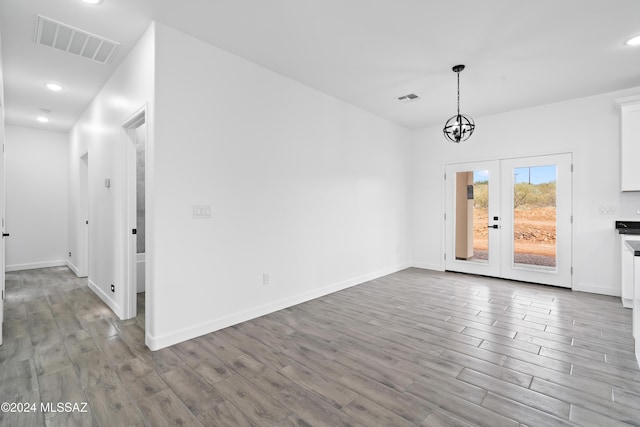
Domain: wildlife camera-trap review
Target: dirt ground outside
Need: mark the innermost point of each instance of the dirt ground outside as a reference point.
(534, 235)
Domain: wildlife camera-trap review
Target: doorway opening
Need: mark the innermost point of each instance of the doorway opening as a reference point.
(511, 218)
(83, 217)
(135, 260)
(140, 134)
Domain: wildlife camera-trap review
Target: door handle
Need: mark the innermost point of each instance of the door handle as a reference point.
(5, 234)
(495, 226)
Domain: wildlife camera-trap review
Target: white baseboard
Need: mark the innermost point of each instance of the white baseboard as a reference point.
(594, 289)
(73, 268)
(105, 298)
(428, 266)
(166, 340)
(34, 265)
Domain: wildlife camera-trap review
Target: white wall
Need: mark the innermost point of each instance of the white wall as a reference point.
(586, 127)
(306, 189)
(303, 187)
(99, 133)
(36, 196)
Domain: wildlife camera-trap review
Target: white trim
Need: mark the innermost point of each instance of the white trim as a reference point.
(137, 119)
(443, 223)
(158, 342)
(71, 266)
(129, 249)
(82, 227)
(629, 100)
(595, 289)
(105, 298)
(428, 266)
(34, 265)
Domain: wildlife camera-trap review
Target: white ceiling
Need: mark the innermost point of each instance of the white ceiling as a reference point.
(366, 52)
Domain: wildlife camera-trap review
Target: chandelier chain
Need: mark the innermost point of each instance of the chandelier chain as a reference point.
(458, 73)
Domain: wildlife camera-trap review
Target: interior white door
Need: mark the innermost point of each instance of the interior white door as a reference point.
(511, 218)
(2, 212)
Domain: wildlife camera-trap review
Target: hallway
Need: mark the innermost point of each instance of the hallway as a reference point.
(61, 341)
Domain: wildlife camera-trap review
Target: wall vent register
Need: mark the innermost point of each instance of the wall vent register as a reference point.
(73, 40)
(408, 98)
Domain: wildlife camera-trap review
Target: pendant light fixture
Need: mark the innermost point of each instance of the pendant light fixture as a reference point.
(459, 127)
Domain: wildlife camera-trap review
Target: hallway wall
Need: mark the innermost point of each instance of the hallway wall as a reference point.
(303, 188)
(36, 196)
(99, 132)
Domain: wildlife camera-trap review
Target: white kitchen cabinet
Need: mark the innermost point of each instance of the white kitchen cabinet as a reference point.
(627, 291)
(636, 306)
(629, 143)
(632, 252)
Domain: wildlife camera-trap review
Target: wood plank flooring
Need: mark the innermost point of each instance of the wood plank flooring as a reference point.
(415, 348)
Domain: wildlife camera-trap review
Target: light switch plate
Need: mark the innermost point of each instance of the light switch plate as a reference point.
(202, 211)
(607, 209)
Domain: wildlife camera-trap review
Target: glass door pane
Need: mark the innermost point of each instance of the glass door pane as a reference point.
(536, 234)
(534, 216)
(472, 215)
(472, 210)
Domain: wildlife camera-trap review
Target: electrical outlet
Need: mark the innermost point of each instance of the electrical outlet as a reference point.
(69, 254)
(113, 288)
(266, 279)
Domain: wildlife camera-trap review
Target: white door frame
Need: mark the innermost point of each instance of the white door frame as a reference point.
(2, 215)
(561, 275)
(129, 260)
(505, 268)
(83, 216)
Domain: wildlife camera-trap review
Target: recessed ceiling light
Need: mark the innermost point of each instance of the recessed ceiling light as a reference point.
(92, 1)
(55, 87)
(42, 119)
(634, 41)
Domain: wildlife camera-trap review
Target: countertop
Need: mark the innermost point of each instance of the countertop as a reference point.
(628, 231)
(635, 246)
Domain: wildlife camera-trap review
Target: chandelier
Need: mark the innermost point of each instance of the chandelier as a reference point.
(459, 127)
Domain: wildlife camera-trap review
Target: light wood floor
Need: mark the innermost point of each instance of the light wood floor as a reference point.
(413, 348)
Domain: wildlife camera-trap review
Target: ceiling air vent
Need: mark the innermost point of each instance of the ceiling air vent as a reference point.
(409, 98)
(73, 40)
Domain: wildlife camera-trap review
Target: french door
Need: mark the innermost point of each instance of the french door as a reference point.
(511, 218)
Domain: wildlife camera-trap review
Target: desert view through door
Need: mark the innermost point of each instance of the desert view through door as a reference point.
(511, 218)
